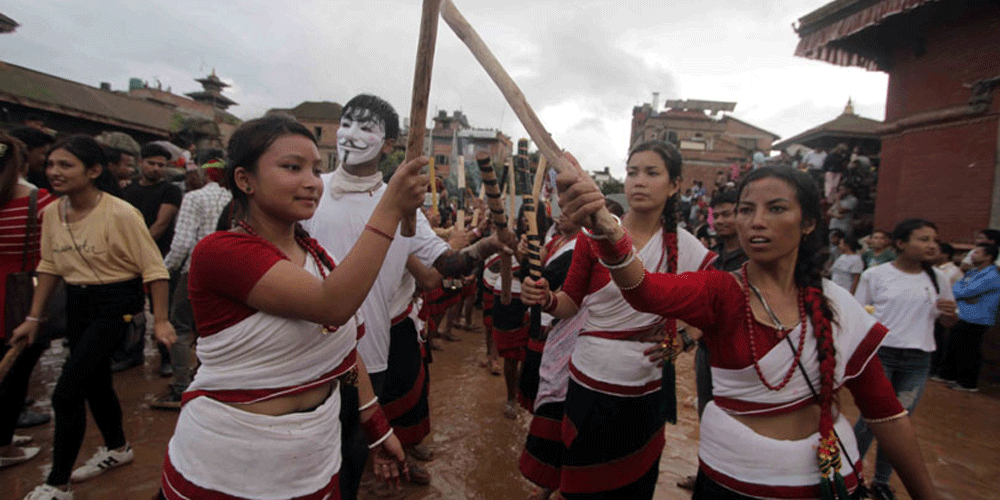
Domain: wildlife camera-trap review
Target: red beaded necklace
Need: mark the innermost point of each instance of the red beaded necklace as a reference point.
(781, 333)
(304, 244)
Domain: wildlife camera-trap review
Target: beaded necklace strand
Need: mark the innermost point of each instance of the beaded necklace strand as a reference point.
(304, 244)
(782, 332)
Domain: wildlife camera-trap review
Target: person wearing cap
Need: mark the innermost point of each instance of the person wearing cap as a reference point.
(196, 219)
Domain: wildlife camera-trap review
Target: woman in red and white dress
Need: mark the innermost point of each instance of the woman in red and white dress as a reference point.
(782, 342)
(278, 331)
(614, 420)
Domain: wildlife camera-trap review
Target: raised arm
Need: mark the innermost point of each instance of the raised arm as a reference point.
(288, 290)
(687, 297)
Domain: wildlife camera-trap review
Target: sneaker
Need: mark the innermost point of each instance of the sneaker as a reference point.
(30, 418)
(169, 401)
(166, 370)
(17, 440)
(47, 492)
(938, 378)
(27, 453)
(103, 460)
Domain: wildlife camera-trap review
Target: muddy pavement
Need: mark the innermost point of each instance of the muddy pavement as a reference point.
(477, 449)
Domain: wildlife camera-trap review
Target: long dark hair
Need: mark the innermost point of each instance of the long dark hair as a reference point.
(901, 234)
(809, 279)
(248, 143)
(672, 159)
(91, 154)
(11, 163)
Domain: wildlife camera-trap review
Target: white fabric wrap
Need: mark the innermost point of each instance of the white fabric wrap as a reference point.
(219, 447)
(728, 446)
(267, 352)
(851, 328)
(622, 363)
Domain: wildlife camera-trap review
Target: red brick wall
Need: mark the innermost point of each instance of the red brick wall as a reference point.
(943, 172)
(962, 48)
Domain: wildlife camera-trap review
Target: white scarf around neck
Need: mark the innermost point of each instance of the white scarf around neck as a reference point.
(343, 182)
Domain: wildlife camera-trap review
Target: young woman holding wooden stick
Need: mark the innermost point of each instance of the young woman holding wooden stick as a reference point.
(614, 409)
(782, 342)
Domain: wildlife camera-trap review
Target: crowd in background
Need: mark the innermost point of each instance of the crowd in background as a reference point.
(181, 194)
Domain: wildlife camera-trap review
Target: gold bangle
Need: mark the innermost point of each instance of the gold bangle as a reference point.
(886, 419)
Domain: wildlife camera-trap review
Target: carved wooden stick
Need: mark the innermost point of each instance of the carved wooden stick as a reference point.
(512, 93)
(421, 92)
(533, 204)
(492, 190)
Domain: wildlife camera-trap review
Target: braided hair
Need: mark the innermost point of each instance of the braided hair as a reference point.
(809, 280)
(668, 219)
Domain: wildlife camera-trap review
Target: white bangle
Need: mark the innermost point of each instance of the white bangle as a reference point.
(381, 439)
(368, 404)
(621, 265)
(33, 319)
(599, 236)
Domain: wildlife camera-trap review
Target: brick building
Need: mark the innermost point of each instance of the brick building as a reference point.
(323, 119)
(709, 141)
(940, 142)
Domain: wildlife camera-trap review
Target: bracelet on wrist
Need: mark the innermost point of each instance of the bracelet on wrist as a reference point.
(636, 285)
(552, 304)
(608, 251)
(369, 227)
(33, 319)
(621, 264)
(368, 404)
(377, 428)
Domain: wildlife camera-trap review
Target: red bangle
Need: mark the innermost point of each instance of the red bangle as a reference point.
(369, 227)
(553, 302)
(376, 428)
(612, 253)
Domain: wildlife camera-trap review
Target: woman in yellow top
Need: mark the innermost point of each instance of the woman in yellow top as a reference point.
(100, 245)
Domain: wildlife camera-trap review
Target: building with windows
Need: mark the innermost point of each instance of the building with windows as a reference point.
(940, 141)
(323, 119)
(709, 139)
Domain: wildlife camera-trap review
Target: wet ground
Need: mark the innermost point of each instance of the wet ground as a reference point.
(477, 449)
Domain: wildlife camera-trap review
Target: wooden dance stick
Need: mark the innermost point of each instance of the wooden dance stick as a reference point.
(10, 358)
(512, 93)
(492, 190)
(534, 239)
(460, 213)
(421, 92)
(434, 186)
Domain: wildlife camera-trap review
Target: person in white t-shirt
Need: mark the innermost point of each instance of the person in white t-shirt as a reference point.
(846, 270)
(369, 127)
(909, 294)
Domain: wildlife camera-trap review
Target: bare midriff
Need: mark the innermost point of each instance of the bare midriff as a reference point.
(283, 405)
(792, 426)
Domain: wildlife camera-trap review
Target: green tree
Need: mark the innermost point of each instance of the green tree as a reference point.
(613, 186)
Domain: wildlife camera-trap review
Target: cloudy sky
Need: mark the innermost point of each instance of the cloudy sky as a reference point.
(583, 65)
